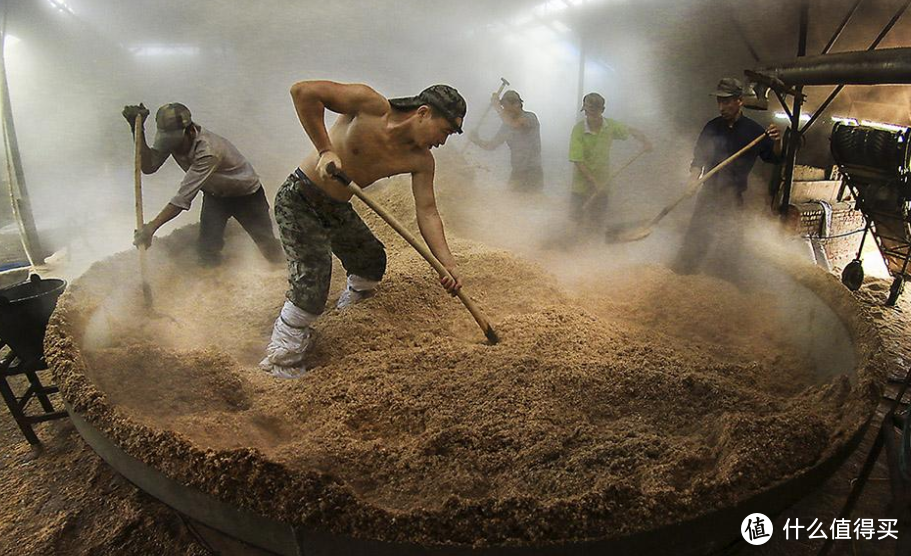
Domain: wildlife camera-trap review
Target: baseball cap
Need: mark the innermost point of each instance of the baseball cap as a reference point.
(592, 99)
(445, 99)
(172, 120)
(729, 87)
(511, 96)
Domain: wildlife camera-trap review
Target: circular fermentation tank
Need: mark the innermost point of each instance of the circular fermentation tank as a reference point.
(242, 501)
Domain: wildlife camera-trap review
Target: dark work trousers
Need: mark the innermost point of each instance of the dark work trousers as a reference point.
(526, 179)
(251, 211)
(717, 224)
(592, 217)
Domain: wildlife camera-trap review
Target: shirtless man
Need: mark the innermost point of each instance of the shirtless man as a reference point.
(373, 138)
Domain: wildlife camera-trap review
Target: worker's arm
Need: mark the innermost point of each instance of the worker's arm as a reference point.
(577, 154)
(201, 169)
(643, 140)
(520, 122)
(621, 132)
(431, 225)
(587, 173)
(312, 99)
(151, 159)
(775, 136)
(143, 237)
(496, 104)
(702, 150)
(700, 158)
(494, 142)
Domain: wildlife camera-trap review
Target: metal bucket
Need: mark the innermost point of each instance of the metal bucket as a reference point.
(24, 311)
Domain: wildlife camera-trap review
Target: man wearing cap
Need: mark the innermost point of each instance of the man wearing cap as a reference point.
(521, 132)
(717, 216)
(589, 150)
(214, 166)
(373, 138)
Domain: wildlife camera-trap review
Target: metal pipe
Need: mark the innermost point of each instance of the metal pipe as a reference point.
(869, 67)
(822, 108)
(838, 31)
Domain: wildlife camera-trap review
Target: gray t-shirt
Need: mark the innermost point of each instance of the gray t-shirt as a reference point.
(216, 167)
(524, 142)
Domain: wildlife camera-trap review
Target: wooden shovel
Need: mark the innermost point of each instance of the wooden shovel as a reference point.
(637, 231)
(137, 190)
(564, 239)
(472, 307)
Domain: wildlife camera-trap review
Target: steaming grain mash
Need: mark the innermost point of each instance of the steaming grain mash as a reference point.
(640, 402)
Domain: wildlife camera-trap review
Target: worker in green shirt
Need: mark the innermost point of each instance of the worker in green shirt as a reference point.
(589, 151)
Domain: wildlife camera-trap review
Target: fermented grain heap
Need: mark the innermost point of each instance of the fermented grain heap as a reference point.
(643, 402)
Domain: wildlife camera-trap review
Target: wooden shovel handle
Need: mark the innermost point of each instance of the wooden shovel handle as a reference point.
(137, 191)
(469, 303)
(616, 173)
(691, 190)
(137, 170)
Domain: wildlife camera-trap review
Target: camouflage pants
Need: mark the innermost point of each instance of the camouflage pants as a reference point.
(313, 227)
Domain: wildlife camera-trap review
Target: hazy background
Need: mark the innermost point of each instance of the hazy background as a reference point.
(71, 69)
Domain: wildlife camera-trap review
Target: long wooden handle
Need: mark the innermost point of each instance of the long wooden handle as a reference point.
(137, 171)
(472, 307)
(137, 192)
(486, 112)
(594, 195)
(691, 190)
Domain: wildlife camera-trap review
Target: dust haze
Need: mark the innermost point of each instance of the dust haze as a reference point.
(73, 65)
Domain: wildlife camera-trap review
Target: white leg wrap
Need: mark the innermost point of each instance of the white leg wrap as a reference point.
(295, 316)
(290, 340)
(358, 289)
(360, 284)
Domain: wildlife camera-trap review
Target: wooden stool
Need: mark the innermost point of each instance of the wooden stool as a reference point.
(11, 365)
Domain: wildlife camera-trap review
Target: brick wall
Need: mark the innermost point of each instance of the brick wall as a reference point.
(806, 219)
